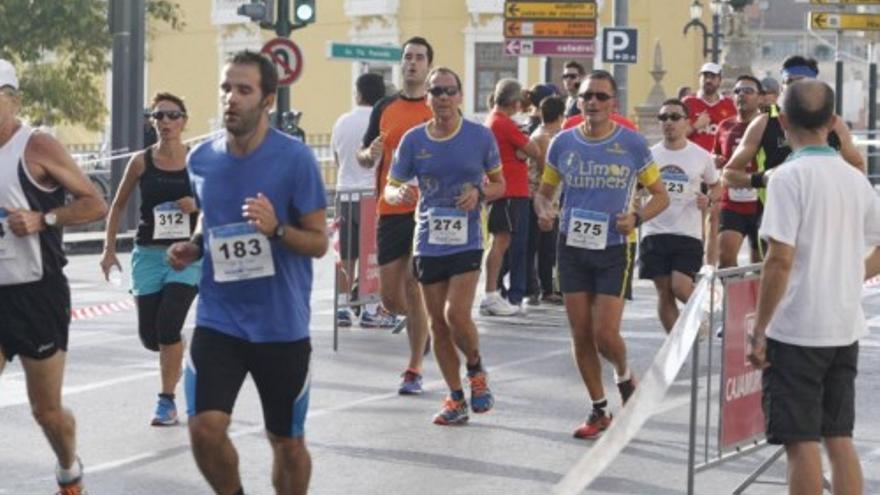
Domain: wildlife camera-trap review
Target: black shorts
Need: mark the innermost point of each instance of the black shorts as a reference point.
(809, 392)
(349, 213)
(394, 237)
(503, 214)
(35, 318)
(747, 225)
(661, 254)
(219, 363)
(608, 271)
(433, 269)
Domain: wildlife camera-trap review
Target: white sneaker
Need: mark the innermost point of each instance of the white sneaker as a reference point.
(494, 305)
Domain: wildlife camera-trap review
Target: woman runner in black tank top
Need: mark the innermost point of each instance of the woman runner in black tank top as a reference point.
(168, 213)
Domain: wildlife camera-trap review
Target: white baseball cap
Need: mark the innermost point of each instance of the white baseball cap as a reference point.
(7, 75)
(711, 68)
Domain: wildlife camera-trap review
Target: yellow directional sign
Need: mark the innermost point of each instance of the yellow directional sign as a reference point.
(550, 29)
(579, 10)
(850, 22)
(845, 2)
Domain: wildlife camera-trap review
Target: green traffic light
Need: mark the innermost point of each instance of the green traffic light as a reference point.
(304, 13)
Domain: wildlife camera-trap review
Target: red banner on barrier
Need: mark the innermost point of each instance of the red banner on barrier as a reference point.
(742, 419)
(368, 265)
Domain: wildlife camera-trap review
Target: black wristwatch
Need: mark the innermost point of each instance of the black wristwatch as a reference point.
(481, 194)
(278, 233)
(638, 218)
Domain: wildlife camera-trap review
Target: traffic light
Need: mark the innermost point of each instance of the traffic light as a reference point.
(262, 11)
(303, 12)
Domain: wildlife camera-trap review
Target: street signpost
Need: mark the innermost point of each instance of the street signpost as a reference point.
(620, 45)
(550, 28)
(550, 10)
(373, 53)
(846, 22)
(550, 48)
(287, 58)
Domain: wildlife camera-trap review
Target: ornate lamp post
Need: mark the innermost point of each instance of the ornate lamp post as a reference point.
(696, 11)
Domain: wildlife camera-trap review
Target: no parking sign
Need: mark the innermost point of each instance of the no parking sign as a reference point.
(287, 59)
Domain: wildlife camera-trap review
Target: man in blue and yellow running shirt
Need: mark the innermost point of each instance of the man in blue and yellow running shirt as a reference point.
(263, 217)
(450, 157)
(598, 164)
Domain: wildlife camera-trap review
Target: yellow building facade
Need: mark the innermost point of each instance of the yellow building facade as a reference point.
(467, 36)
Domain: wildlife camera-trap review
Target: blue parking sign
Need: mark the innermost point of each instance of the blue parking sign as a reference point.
(620, 45)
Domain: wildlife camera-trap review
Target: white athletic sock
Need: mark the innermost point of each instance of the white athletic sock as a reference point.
(68, 475)
(624, 377)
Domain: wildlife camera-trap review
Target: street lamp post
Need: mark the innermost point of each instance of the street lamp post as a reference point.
(696, 11)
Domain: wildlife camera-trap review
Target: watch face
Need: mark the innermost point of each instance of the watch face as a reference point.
(279, 231)
(51, 219)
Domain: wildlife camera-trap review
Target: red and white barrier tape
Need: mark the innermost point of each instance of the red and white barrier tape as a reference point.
(89, 312)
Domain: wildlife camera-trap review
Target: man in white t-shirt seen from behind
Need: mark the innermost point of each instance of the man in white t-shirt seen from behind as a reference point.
(820, 216)
(671, 251)
(351, 176)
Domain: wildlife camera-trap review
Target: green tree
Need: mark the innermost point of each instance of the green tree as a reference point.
(62, 51)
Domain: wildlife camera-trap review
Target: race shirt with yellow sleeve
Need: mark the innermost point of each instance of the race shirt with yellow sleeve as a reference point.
(598, 178)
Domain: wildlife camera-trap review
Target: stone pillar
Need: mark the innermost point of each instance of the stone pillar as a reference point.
(739, 50)
(646, 114)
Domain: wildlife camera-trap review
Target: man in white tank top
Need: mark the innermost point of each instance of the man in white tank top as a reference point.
(35, 172)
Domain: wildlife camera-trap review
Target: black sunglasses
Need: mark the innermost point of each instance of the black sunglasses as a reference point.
(441, 90)
(675, 117)
(745, 90)
(570, 76)
(171, 114)
(588, 95)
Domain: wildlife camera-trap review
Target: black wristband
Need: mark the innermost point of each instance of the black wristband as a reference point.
(757, 179)
(199, 240)
(481, 194)
(638, 218)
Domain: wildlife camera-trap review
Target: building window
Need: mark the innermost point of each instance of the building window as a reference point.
(490, 66)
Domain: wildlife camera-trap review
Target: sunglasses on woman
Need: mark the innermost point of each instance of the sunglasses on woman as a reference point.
(171, 114)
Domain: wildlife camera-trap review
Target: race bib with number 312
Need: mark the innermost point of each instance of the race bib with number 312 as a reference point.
(170, 222)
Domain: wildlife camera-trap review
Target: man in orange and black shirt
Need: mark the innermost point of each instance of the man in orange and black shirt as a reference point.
(392, 117)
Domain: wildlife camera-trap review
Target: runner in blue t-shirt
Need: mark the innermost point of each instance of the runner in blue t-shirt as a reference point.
(263, 218)
(599, 164)
(450, 157)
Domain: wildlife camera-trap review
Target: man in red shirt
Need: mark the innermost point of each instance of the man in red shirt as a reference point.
(708, 108)
(740, 209)
(508, 216)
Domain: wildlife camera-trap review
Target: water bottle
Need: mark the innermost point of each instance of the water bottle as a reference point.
(115, 276)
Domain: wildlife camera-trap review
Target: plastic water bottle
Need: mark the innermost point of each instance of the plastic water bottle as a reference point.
(115, 276)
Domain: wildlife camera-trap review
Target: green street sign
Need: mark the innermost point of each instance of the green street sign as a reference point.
(350, 51)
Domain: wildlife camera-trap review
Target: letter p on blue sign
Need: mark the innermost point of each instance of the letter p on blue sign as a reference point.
(620, 45)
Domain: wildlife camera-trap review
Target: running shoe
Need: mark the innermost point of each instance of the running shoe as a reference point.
(166, 413)
(454, 412)
(343, 318)
(627, 388)
(411, 383)
(552, 298)
(379, 319)
(534, 300)
(495, 305)
(481, 397)
(594, 425)
(74, 488)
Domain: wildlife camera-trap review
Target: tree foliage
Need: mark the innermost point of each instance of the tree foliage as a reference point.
(62, 51)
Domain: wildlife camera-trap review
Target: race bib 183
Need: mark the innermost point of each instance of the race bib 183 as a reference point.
(240, 252)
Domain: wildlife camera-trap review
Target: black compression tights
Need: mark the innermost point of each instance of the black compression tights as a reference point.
(161, 314)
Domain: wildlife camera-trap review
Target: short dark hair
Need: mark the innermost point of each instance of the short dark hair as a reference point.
(418, 40)
(603, 75)
(371, 87)
(571, 64)
(746, 77)
(798, 60)
(268, 74)
(683, 91)
(165, 96)
(676, 101)
(552, 107)
(808, 104)
(444, 70)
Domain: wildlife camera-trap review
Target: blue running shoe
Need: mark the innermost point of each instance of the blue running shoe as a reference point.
(166, 413)
(343, 318)
(379, 319)
(454, 412)
(481, 397)
(411, 383)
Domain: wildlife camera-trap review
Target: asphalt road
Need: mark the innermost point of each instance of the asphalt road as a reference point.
(364, 438)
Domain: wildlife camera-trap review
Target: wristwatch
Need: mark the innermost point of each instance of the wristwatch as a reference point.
(50, 219)
(278, 233)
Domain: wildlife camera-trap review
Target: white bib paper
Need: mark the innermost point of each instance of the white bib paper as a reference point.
(7, 250)
(240, 252)
(742, 194)
(447, 226)
(587, 229)
(678, 185)
(169, 222)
